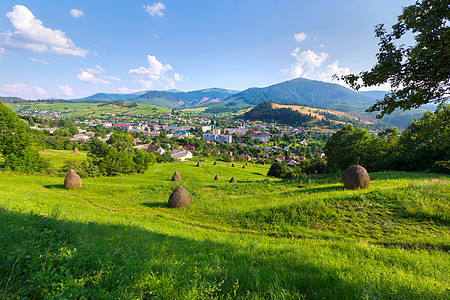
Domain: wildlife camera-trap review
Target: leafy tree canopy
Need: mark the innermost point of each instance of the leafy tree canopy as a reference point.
(418, 74)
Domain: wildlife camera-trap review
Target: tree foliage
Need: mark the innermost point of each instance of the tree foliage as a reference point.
(418, 74)
(18, 147)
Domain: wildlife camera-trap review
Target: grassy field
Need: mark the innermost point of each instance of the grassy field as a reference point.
(260, 238)
(88, 110)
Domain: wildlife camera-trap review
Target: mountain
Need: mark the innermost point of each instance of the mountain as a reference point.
(173, 99)
(168, 99)
(307, 92)
(108, 97)
(373, 94)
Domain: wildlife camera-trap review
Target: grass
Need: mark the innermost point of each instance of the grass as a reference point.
(58, 158)
(88, 110)
(257, 239)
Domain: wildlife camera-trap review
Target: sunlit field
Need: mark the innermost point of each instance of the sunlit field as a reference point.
(259, 238)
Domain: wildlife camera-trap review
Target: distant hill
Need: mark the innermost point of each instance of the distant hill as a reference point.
(167, 99)
(184, 99)
(307, 92)
(373, 94)
(12, 100)
(108, 97)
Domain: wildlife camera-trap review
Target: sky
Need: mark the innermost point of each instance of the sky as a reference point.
(73, 49)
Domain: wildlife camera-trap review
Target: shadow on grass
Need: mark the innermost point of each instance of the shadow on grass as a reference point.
(316, 190)
(95, 261)
(155, 204)
(54, 186)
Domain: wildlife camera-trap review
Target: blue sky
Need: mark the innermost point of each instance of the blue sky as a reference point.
(70, 49)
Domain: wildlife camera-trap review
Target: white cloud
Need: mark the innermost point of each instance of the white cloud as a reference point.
(322, 45)
(125, 90)
(76, 13)
(15, 89)
(23, 90)
(300, 37)
(93, 75)
(31, 35)
(88, 77)
(40, 91)
(67, 90)
(155, 9)
(155, 74)
(310, 64)
(35, 60)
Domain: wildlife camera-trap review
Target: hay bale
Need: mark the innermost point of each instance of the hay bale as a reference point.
(72, 180)
(233, 180)
(215, 163)
(76, 150)
(246, 164)
(232, 165)
(179, 198)
(355, 177)
(216, 178)
(199, 164)
(243, 167)
(176, 176)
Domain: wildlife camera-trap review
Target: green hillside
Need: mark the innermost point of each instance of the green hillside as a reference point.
(307, 92)
(259, 238)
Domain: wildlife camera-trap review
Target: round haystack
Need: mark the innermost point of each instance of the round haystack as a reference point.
(176, 176)
(233, 180)
(179, 198)
(216, 178)
(215, 163)
(199, 164)
(76, 150)
(72, 180)
(243, 167)
(246, 164)
(232, 165)
(355, 177)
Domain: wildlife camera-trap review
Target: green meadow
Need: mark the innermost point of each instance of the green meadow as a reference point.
(259, 238)
(87, 110)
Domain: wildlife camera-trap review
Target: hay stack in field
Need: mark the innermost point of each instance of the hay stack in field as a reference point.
(243, 167)
(355, 177)
(233, 180)
(179, 198)
(72, 180)
(215, 163)
(232, 165)
(199, 164)
(246, 164)
(216, 178)
(176, 176)
(76, 150)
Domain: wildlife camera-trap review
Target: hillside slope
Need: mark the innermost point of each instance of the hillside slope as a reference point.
(306, 92)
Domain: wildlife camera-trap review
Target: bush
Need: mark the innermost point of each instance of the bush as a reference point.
(282, 170)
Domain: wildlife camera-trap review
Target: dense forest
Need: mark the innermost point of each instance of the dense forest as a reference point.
(266, 113)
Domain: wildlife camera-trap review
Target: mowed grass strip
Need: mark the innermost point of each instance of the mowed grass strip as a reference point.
(258, 238)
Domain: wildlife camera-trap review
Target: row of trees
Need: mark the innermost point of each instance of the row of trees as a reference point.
(423, 145)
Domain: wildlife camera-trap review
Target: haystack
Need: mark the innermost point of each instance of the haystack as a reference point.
(232, 165)
(246, 164)
(179, 198)
(76, 150)
(199, 164)
(215, 163)
(233, 180)
(216, 178)
(355, 177)
(72, 180)
(243, 167)
(176, 176)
